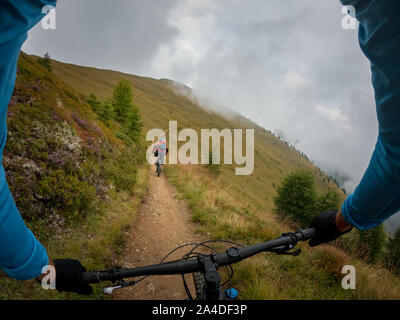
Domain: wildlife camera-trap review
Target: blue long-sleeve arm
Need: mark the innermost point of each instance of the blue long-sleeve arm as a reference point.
(21, 254)
(377, 197)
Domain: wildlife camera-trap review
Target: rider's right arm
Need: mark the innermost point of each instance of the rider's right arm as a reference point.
(378, 195)
(21, 254)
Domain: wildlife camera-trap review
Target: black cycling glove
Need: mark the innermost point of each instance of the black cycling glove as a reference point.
(325, 224)
(69, 277)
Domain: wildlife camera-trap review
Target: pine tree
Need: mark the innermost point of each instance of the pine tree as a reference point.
(106, 111)
(122, 101)
(46, 62)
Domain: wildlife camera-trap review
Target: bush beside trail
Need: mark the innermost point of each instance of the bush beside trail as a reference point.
(298, 200)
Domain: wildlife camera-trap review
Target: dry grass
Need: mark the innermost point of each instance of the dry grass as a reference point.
(374, 282)
(316, 274)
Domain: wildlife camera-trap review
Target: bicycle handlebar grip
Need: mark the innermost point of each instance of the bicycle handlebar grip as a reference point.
(308, 233)
(90, 277)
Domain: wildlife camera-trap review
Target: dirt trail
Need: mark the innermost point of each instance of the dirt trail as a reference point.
(163, 223)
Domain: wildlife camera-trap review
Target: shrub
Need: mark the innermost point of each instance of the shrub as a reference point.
(94, 103)
(121, 172)
(371, 244)
(328, 201)
(297, 197)
(67, 193)
(298, 200)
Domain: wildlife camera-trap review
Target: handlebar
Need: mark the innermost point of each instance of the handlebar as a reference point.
(233, 255)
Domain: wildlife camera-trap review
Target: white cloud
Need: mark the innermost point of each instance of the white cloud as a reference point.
(338, 117)
(294, 80)
(288, 65)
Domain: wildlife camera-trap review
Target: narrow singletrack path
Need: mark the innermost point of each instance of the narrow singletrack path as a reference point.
(163, 223)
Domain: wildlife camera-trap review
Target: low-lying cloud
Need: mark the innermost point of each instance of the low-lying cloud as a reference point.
(287, 65)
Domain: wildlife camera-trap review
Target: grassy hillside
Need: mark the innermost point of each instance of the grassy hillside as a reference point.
(75, 183)
(159, 101)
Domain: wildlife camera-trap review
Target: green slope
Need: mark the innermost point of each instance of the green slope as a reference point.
(160, 102)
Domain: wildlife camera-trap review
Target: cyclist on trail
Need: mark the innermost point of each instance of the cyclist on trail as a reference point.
(377, 197)
(21, 255)
(160, 150)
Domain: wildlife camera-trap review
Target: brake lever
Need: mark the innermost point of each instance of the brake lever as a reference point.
(109, 290)
(290, 253)
(284, 250)
(120, 284)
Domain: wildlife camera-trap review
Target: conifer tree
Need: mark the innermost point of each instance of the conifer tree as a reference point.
(122, 101)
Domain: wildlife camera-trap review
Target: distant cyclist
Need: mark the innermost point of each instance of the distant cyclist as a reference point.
(160, 150)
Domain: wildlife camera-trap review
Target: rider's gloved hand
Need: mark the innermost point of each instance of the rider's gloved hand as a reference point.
(326, 227)
(69, 276)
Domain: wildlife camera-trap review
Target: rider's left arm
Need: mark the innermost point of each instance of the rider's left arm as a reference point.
(377, 197)
(21, 255)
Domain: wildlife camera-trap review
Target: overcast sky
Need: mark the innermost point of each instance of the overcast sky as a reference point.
(287, 65)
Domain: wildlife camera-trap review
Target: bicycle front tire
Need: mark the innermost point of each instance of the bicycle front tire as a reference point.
(199, 284)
